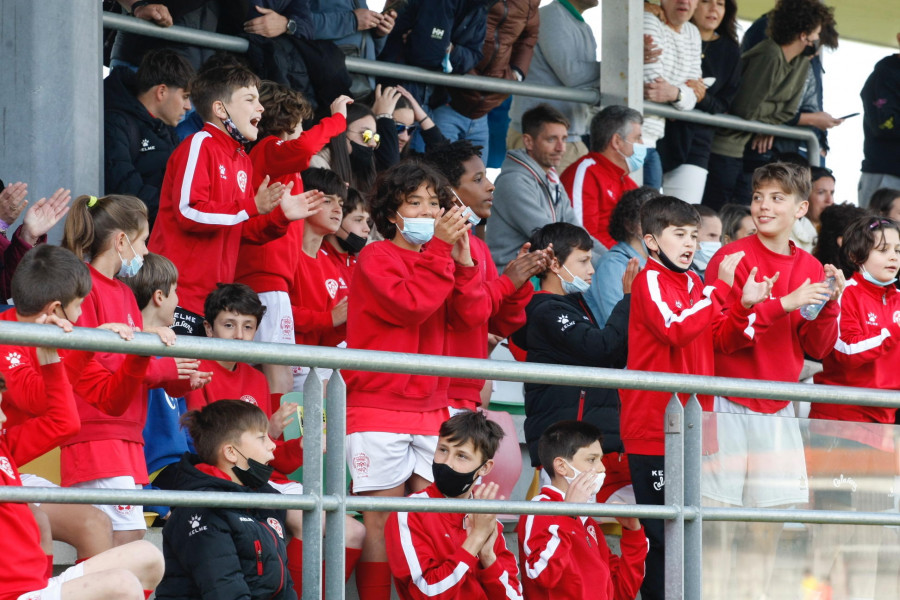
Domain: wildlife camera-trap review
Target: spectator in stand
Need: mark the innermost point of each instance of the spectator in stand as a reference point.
(737, 222)
(886, 202)
(571, 64)
(811, 113)
(318, 292)
(454, 556)
(561, 330)
(207, 194)
(806, 229)
(558, 557)
(831, 235)
(444, 35)
(709, 239)
(684, 151)
(405, 291)
(596, 181)
(666, 80)
(140, 114)
(505, 296)
(512, 32)
(881, 127)
(625, 228)
(767, 341)
(283, 151)
(357, 31)
(773, 74)
(409, 118)
(344, 245)
(39, 219)
(529, 193)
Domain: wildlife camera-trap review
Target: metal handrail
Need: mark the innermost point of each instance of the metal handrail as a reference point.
(474, 82)
(145, 344)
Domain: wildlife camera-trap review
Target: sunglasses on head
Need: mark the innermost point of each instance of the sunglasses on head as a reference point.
(410, 129)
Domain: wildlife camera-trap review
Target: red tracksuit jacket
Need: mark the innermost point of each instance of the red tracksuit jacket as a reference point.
(206, 207)
(567, 557)
(669, 331)
(765, 342)
(866, 353)
(428, 561)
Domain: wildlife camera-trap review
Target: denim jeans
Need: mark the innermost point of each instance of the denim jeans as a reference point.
(653, 173)
(455, 126)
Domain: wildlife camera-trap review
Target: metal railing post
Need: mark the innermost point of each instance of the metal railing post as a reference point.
(674, 496)
(693, 529)
(312, 486)
(335, 461)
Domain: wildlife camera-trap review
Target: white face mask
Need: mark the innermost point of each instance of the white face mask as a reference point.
(598, 483)
(705, 253)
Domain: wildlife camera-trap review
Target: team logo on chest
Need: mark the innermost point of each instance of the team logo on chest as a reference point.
(15, 359)
(332, 286)
(222, 173)
(242, 180)
(274, 524)
(6, 467)
(873, 319)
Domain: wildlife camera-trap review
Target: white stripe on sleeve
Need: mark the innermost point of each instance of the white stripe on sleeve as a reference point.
(578, 187)
(415, 569)
(668, 316)
(184, 202)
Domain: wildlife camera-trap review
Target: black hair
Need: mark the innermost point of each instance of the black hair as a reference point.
(222, 422)
(353, 201)
(565, 238)
(163, 66)
(564, 439)
(625, 222)
(471, 426)
(361, 178)
(218, 83)
(791, 18)
(882, 201)
(46, 274)
(832, 223)
(665, 211)
(326, 181)
(449, 158)
(861, 236)
(533, 120)
(234, 297)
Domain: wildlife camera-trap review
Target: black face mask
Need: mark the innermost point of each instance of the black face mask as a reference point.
(353, 244)
(255, 475)
(667, 262)
(361, 156)
(452, 483)
(811, 50)
(233, 131)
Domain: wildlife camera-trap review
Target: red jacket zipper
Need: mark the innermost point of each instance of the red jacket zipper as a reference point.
(259, 564)
(280, 563)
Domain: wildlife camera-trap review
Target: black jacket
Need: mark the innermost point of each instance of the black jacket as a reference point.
(137, 145)
(881, 119)
(230, 553)
(561, 330)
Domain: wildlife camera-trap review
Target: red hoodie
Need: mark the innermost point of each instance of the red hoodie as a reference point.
(317, 287)
(502, 312)
(206, 207)
(26, 564)
(271, 267)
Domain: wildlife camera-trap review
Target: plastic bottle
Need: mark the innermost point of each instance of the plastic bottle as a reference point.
(811, 311)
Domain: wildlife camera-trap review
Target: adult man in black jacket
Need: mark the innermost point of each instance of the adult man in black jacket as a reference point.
(141, 112)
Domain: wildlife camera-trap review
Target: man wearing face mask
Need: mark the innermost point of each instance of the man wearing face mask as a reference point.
(597, 180)
(567, 556)
(457, 556)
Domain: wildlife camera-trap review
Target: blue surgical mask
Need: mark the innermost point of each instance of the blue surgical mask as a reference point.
(705, 253)
(576, 286)
(416, 230)
(636, 160)
(868, 277)
(470, 214)
(131, 267)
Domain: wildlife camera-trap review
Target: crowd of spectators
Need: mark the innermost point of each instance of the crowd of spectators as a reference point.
(276, 197)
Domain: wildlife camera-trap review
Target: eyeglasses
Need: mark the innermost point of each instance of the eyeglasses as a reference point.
(410, 129)
(368, 136)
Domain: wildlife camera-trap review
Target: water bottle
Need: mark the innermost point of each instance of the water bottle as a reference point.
(811, 311)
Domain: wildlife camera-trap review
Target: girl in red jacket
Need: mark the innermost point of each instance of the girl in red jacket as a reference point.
(111, 234)
(400, 301)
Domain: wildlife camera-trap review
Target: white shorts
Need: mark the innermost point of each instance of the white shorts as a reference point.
(760, 461)
(381, 461)
(124, 517)
(301, 373)
(53, 591)
(29, 480)
(288, 487)
(277, 325)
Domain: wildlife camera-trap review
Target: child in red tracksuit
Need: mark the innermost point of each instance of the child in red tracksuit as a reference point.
(670, 330)
(344, 245)
(767, 341)
(233, 312)
(283, 151)
(567, 556)
(454, 556)
(507, 295)
(208, 203)
(108, 451)
(404, 292)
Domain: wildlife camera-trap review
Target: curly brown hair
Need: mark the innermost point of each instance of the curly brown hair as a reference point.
(395, 184)
(284, 109)
(791, 18)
